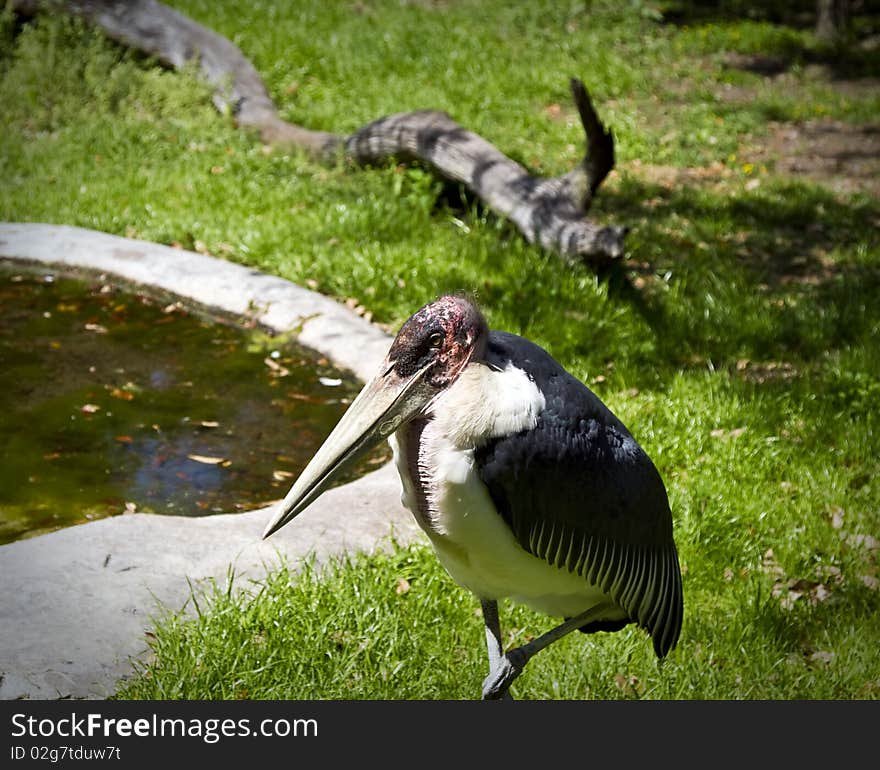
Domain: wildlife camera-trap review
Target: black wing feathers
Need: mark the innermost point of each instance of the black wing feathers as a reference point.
(578, 491)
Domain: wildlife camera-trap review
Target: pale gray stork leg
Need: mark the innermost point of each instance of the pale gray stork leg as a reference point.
(510, 666)
(493, 641)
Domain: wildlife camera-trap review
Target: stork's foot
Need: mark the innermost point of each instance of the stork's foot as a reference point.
(497, 684)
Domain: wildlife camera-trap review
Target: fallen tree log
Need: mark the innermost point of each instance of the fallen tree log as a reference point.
(549, 211)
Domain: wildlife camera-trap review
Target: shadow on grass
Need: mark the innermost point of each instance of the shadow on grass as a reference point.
(853, 56)
(785, 273)
(796, 628)
(794, 254)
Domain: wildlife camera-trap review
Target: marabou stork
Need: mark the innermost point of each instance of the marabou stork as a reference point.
(525, 483)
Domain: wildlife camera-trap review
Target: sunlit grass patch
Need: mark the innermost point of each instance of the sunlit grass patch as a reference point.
(738, 341)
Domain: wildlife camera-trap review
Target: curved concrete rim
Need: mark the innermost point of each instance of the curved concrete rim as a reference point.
(77, 604)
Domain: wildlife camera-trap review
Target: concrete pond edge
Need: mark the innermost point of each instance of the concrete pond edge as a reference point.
(78, 604)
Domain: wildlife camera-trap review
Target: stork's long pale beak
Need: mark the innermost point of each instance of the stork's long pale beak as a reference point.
(385, 403)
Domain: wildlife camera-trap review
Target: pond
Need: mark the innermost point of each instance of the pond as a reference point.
(117, 401)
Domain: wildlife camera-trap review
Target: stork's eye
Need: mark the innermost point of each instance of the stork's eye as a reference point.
(435, 339)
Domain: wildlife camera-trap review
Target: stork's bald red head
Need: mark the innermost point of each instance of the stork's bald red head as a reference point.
(430, 352)
(445, 334)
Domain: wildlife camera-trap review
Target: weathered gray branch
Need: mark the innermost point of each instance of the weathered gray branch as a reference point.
(547, 211)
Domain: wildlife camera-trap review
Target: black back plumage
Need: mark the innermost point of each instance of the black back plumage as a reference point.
(579, 492)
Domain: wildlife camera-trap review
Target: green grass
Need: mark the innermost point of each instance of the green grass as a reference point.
(740, 344)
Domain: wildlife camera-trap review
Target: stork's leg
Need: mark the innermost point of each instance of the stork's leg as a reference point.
(493, 632)
(493, 639)
(511, 665)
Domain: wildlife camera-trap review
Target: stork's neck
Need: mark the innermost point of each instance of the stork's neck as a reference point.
(438, 450)
(484, 403)
(413, 464)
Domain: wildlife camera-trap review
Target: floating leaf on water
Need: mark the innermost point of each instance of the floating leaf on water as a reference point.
(206, 460)
(281, 475)
(122, 395)
(330, 382)
(304, 397)
(277, 369)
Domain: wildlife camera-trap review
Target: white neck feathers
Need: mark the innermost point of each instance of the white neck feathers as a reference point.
(484, 403)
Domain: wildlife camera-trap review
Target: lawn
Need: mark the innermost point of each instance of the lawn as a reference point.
(739, 341)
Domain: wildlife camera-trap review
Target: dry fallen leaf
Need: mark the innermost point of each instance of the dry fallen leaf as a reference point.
(863, 541)
(789, 591)
(281, 475)
(820, 593)
(89, 408)
(97, 328)
(871, 582)
(726, 434)
(769, 565)
(402, 586)
(122, 395)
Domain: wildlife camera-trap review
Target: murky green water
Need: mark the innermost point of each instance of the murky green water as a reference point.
(113, 401)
